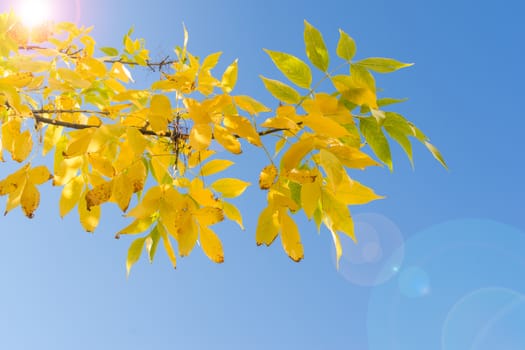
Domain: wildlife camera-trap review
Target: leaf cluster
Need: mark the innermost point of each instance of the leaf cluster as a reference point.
(152, 151)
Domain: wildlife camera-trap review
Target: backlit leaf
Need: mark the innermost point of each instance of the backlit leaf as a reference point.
(39, 174)
(267, 176)
(346, 47)
(292, 67)
(315, 47)
(134, 252)
(88, 218)
(267, 226)
(383, 65)
(230, 187)
(376, 139)
(281, 91)
(232, 213)
(214, 166)
(229, 78)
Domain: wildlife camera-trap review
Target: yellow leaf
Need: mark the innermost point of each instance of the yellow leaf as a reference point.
(352, 157)
(207, 216)
(332, 166)
(136, 140)
(197, 157)
(227, 140)
(250, 105)
(23, 144)
(51, 137)
(215, 166)
(297, 152)
(310, 194)
(267, 226)
(267, 177)
(120, 72)
(202, 195)
(160, 113)
(338, 248)
(242, 127)
(30, 199)
(79, 142)
(99, 194)
(230, 187)
(89, 219)
(325, 126)
(302, 176)
(39, 174)
(187, 237)
(232, 213)
(71, 194)
(352, 192)
(336, 215)
(290, 237)
(137, 176)
(134, 253)
(10, 131)
(200, 136)
(229, 78)
(137, 226)
(122, 191)
(167, 246)
(148, 205)
(14, 198)
(211, 244)
(102, 164)
(14, 181)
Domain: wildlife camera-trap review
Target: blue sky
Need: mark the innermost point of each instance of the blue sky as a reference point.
(457, 236)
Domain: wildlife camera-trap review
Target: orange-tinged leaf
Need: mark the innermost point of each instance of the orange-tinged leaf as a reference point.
(99, 194)
(211, 245)
(227, 140)
(232, 213)
(200, 136)
(134, 253)
(267, 226)
(39, 174)
(23, 144)
(30, 199)
(230, 187)
(71, 193)
(267, 177)
(290, 237)
(89, 219)
(214, 166)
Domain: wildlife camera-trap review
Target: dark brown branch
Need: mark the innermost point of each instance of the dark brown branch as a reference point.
(37, 115)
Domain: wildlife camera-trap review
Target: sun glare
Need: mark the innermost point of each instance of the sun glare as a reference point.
(33, 12)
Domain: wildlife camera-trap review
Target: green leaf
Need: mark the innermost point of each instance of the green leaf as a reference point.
(376, 139)
(152, 241)
(383, 65)
(390, 101)
(436, 153)
(399, 129)
(110, 51)
(292, 67)
(134, 251)
(281, 91)
(346, 46)
(315, 47)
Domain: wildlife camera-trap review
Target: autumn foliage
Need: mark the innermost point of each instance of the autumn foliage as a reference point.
(151, 151)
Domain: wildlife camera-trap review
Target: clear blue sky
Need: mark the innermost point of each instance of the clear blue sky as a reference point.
(458, 280)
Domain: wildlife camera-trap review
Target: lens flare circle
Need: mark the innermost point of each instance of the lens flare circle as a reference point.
(378, 253)
(458, 288)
